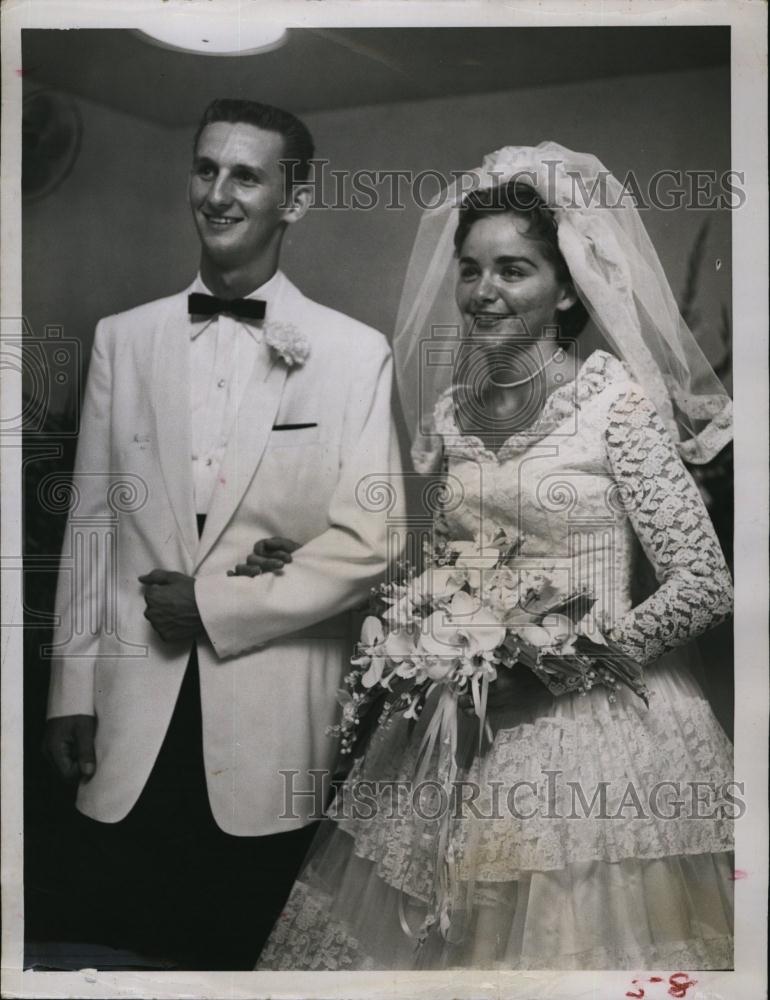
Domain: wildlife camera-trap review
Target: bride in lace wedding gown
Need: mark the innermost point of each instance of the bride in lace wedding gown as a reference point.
(594, 832)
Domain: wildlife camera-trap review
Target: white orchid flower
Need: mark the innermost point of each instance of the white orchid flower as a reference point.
(382, 650)
(372, 642)
(399, 645)
(438, 668)
(464, 630)
(554, 632)
(439, 583)
(372, 632)
(400, 613)
(537, 636)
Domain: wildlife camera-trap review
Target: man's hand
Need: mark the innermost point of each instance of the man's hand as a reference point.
(269, 555)
(171, 607)
(68, 743)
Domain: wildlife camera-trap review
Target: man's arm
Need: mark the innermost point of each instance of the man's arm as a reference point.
(69, 736)
(335, 570)
(71, 689)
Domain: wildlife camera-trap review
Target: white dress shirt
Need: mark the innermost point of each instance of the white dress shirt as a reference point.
(223, 353)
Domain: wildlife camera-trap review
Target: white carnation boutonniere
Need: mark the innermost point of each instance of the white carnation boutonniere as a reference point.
(289, 343)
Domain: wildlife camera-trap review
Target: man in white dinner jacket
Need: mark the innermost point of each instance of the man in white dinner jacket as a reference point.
(235, 410)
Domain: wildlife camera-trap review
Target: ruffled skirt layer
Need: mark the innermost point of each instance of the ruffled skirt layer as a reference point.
(590, 835)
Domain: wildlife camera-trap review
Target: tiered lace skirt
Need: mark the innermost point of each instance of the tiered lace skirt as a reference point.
(590, 835)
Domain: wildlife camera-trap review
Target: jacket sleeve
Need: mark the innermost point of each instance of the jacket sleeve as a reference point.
(80, 591)
(334, 571)
(673, 526)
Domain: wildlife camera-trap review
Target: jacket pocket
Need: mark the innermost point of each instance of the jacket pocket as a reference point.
(293, 435)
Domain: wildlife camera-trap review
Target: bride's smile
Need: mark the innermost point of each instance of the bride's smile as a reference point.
(506, 282)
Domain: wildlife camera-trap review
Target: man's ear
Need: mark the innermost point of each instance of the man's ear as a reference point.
(567, 298)
(298, 201)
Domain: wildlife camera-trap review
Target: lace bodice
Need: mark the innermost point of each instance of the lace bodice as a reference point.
(595, 473)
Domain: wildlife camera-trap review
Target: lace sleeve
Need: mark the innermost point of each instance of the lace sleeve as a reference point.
(672, 524)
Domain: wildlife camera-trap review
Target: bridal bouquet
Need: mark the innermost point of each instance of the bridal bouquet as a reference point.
(477, 608)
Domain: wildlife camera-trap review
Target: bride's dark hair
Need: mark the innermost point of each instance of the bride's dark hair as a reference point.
(521, 199)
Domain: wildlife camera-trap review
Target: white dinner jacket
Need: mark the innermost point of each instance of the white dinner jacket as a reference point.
(277, 645)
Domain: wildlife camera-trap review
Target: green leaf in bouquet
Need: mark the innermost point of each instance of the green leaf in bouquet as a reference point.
(574, 608)
(564, 674)
(541, 603)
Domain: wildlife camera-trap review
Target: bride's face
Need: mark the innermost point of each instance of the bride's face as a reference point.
(506, 287)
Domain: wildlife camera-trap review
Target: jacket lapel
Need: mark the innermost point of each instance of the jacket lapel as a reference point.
(171, 392)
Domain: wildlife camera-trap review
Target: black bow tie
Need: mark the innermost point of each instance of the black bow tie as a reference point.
(209, 305)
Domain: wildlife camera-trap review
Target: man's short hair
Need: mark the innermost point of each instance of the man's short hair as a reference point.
(297, 140)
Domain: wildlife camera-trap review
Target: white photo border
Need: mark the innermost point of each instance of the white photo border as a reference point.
(748, 22)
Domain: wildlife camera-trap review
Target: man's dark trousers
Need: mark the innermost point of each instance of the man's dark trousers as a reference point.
(166, 880)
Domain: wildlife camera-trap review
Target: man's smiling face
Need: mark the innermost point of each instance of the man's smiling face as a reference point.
(237, 192)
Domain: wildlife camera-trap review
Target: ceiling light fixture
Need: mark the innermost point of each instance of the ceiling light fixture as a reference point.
(223, 38)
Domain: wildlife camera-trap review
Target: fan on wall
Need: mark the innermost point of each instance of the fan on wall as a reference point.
(51, 128)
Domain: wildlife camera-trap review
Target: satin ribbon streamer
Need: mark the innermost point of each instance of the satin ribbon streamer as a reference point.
(442, 733)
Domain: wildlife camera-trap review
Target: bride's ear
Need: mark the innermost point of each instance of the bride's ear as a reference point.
(567, 298)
